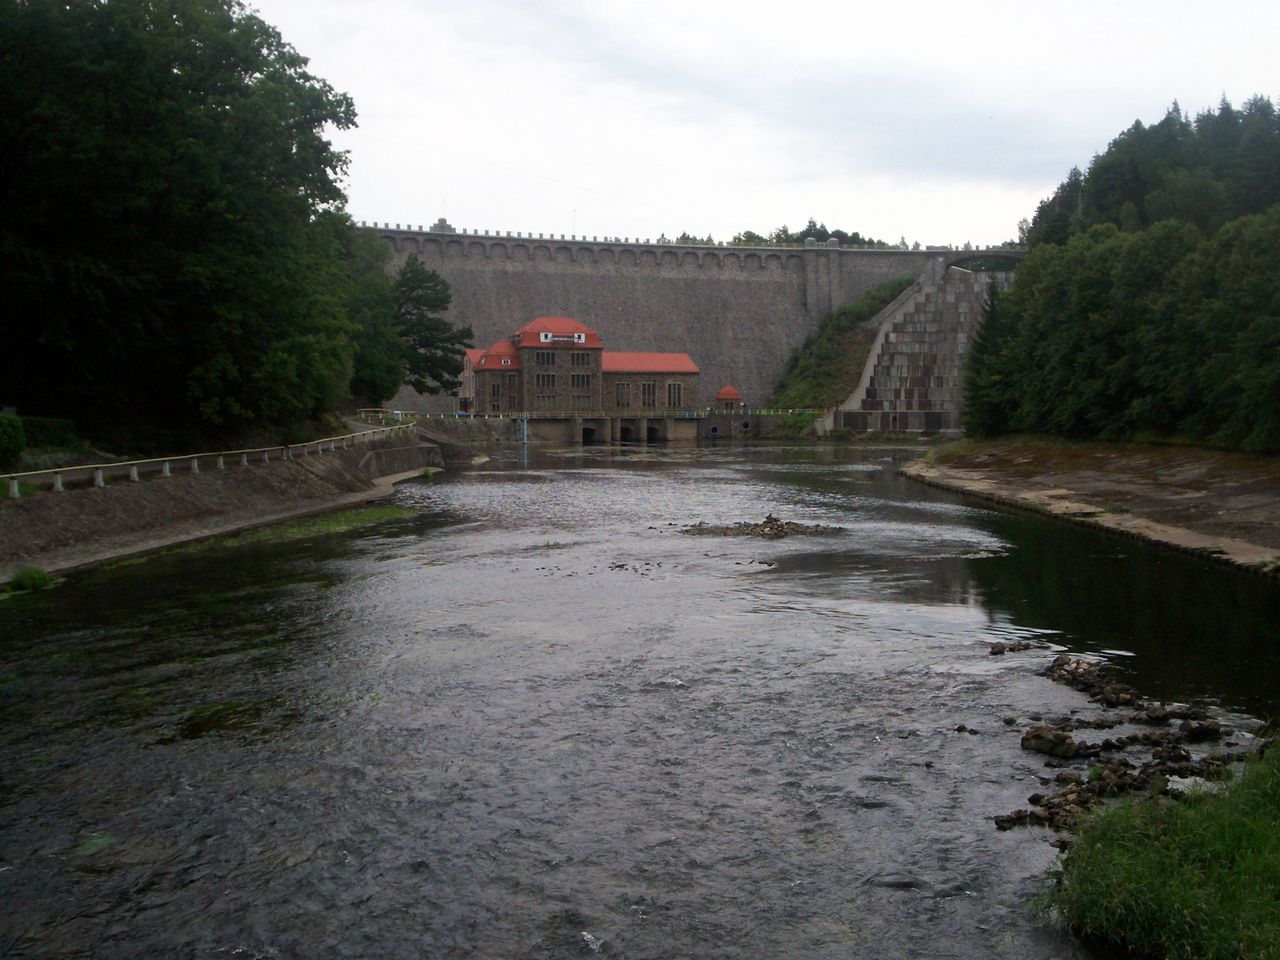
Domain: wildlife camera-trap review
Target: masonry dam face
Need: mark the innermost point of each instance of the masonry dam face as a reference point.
(740, 312)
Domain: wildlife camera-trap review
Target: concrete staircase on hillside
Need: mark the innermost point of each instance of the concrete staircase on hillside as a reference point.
(913, 379)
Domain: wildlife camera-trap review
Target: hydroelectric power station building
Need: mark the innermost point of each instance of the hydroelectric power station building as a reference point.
(556, 371)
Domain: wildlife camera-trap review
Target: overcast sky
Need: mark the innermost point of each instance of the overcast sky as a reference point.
(940, 122)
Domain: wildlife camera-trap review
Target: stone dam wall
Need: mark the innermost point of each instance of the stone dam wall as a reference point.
(913, 379)
(740, 312)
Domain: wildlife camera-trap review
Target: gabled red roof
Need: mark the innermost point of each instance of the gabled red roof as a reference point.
(493, 357)
(614, 361)
(728, 393)
(473, 356)
(557, 332)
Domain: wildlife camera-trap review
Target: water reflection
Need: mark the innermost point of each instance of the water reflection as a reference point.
(536, 709)
(1193, 628)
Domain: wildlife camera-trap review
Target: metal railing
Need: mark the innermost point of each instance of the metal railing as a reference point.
(378, 415)
(57, 478)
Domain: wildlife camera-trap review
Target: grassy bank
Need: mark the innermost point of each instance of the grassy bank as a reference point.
(1188, 879)
(286, 531)
(826, 368)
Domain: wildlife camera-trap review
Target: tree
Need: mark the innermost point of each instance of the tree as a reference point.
(1224, 165)
(433, 348)
(168, 239)
(379, 365)
(986, 391)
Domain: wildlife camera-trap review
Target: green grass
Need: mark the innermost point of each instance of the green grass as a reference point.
(825, 370)
(339, 521)
(30, 579)
(795, 426)
(323, 524)
(1186, 879)
(24, 489)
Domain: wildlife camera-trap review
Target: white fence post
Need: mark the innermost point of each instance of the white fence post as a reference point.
(221, 463)
(57, 483)
(14, 491)
(98, 480)
(164, 469)
(195, 465)
(133, 473)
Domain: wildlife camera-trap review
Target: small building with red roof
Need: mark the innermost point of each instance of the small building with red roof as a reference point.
(728, 398)
(557, 365)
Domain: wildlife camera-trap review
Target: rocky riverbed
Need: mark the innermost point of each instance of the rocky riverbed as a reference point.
(770, 528)
(1090, 771)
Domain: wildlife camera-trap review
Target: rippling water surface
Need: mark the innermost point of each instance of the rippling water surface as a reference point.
(535, 720)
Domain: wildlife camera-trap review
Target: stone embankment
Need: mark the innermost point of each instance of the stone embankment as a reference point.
(1223, 506)
(89, 525)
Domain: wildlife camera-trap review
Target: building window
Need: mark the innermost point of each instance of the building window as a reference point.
(622, 394)
(506, 361)
(512, 379)
(579, 379)
(648, 394)
(495, 406)
(579, 401)
(544, 379)
(579, 359)
(544, 358)
(544, 401)
(674, 393)
(495, 390)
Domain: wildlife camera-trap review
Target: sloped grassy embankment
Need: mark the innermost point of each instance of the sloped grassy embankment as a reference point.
(825, 368)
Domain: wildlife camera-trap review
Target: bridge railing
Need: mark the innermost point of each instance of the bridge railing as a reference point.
(57, 478)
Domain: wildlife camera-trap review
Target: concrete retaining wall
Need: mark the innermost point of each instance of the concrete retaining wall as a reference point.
(59, 531)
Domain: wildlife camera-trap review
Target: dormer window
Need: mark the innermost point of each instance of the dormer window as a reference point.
(506, 361)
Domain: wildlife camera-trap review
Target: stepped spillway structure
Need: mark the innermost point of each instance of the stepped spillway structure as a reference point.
(913, 379)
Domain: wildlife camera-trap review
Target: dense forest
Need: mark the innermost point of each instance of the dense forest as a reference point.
(179, 264)
(1149, 304)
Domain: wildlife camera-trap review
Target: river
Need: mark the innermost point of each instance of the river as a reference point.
(531, 718)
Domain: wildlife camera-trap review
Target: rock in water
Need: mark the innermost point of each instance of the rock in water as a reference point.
(1045, 739)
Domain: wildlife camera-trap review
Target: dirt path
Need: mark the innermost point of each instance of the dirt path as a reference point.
(1223, 505)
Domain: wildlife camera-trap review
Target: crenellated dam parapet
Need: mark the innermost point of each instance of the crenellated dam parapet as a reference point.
(740, 312)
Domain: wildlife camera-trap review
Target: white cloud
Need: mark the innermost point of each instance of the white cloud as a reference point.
(940, 122)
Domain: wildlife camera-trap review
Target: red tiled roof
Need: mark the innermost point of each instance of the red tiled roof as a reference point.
(473, 356)
(563, 329)
(728, 393)
(493, 357)
(614, 361)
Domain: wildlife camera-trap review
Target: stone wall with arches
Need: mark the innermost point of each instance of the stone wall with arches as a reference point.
(740, 312)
